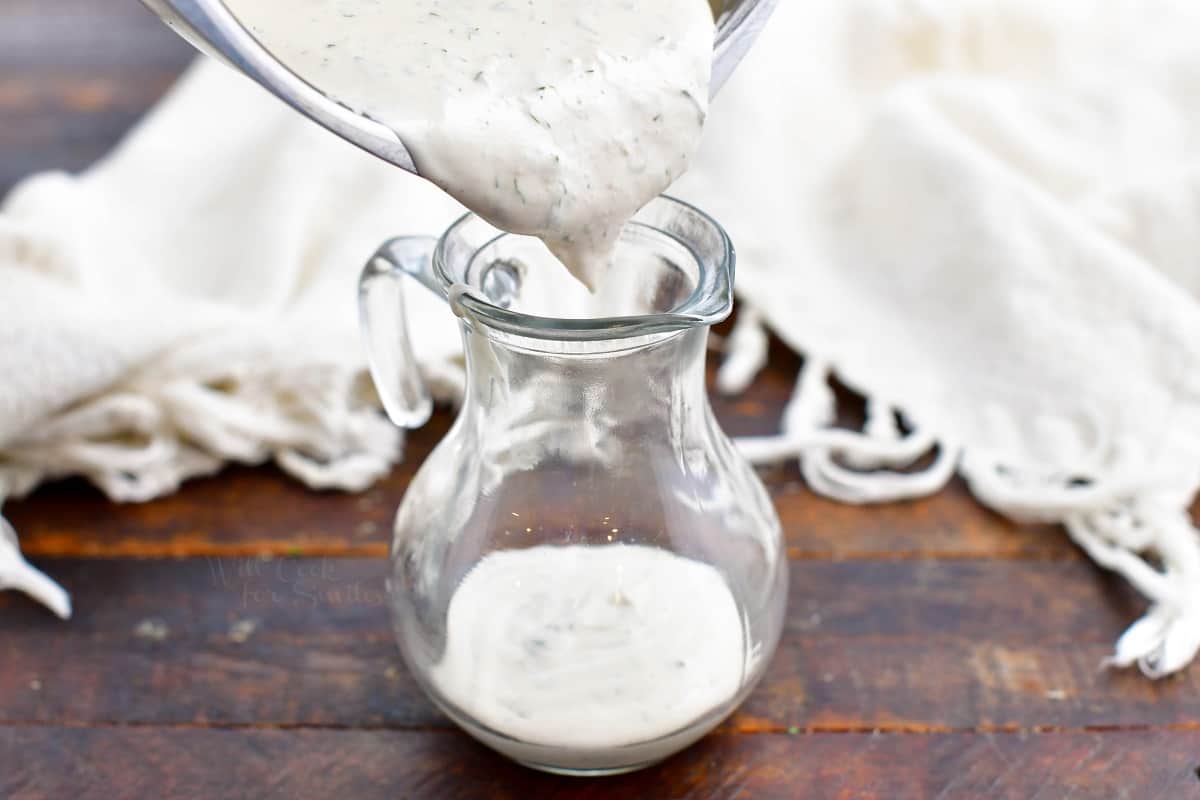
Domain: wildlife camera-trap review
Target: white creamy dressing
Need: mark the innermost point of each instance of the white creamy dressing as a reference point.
(591, 647)
(556, 118)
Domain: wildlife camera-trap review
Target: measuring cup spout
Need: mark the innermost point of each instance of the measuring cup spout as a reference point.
(210, 27)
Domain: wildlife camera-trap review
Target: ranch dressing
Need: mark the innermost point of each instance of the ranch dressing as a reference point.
(560, 119)
(556, 118)
(591, 647)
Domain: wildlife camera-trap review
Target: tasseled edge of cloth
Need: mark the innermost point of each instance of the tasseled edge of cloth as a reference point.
(320, 424)
(1133, 528)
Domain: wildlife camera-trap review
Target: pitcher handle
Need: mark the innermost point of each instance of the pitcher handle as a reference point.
(382, 318)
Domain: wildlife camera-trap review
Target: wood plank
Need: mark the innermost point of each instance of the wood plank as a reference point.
(214, 517)
(74, 76)
(188, 763)
(894, 645)
(66, 121)
(253, 512)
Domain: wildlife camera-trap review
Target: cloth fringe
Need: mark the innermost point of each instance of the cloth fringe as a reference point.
(17, 573)
(1123, 525)
(320, 425)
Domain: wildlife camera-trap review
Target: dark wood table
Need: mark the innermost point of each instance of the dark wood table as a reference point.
(231, 641)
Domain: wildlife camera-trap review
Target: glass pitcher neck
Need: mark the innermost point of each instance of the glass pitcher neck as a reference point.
(642, 376)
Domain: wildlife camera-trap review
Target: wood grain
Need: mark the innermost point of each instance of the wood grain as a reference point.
(74, 76)
(254, 764)
(897, 646)
(246, 512)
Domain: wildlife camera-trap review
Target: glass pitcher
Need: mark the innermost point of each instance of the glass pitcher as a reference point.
(585, 574)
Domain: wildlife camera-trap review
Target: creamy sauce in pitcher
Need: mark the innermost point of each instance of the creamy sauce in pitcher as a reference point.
(591, 647)
(557, 118)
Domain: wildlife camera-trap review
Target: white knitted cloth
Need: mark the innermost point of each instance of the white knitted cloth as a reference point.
(982, 215)
(190, 300)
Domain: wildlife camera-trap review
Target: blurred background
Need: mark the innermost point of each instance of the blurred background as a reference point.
(74, 76)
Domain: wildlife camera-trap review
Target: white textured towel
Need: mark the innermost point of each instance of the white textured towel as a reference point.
(983, 215)
(190, 300)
